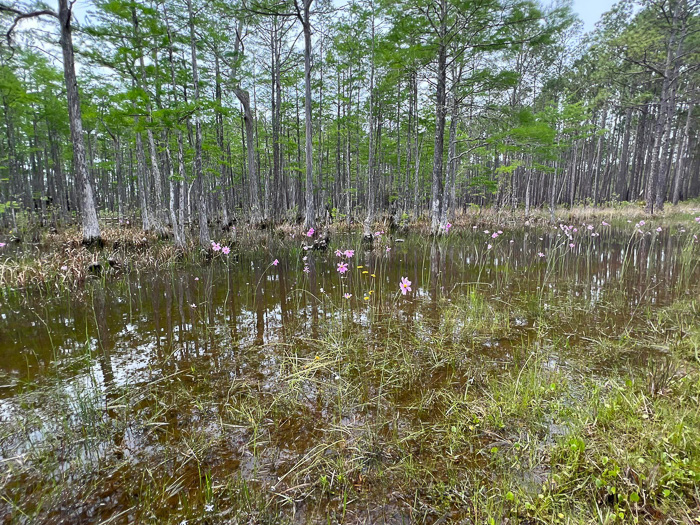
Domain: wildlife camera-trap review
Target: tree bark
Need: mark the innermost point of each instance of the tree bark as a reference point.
(304, 16)
(204, 239)
(449, 188)
(440, 110)
(91, 228)
(678, 181)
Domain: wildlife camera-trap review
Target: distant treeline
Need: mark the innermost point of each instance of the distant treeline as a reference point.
(206, 112)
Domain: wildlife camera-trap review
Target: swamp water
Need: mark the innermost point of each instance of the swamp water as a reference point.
(242, 391)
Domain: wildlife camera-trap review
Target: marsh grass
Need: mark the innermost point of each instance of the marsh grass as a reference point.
(419, 421)
(507, 397)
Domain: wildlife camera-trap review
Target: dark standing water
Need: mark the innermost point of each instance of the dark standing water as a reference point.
(239, 318)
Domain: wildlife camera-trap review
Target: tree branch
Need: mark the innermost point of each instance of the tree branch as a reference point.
(19, 16)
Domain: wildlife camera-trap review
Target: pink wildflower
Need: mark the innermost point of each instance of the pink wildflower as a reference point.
(338, 253)
(215, 246)
(405, 285)
(225, 250)
(489, 247)
(306, 269)
(349, 253)
(540, 254)
(342, 267)
(275, 262)
(347, 295)
(311, 232)
(658, 229)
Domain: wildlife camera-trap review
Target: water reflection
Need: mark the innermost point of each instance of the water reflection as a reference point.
(184, 314)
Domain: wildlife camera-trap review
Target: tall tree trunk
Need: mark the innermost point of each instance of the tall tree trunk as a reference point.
(685, 147)
(656, 184)
(204, 239)
(304, 16)
(256, 217)
(599, 156)
(276, 110)
(156, 219)
(371, 175)
(448, 190)
(177, 218)
(91, 228)
(621, 185)
(178, 234)
(440, 110)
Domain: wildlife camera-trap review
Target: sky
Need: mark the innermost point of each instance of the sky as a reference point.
(590, 10)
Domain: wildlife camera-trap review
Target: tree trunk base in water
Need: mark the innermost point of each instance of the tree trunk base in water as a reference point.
(93, 242)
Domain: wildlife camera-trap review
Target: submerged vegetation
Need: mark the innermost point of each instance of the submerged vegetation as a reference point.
(498, 374)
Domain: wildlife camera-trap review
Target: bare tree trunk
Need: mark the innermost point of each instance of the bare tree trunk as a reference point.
(656, 184)
(371, 176)
(177, 219)
(276, 109)
(638, 156)
(304, 16)
(599, 156)
(409, 145)
(449, 189)
(440, 110)
(418, 143)
(177, 232)
(528, 185)
(91, 228)
(183, 187)
(220, 140)
(204, 239)
(622, 184)
(552, 192)
(253, 181)
(156, 219)
(678, 181)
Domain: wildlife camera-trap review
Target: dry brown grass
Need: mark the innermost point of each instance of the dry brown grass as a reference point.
(62, 260)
